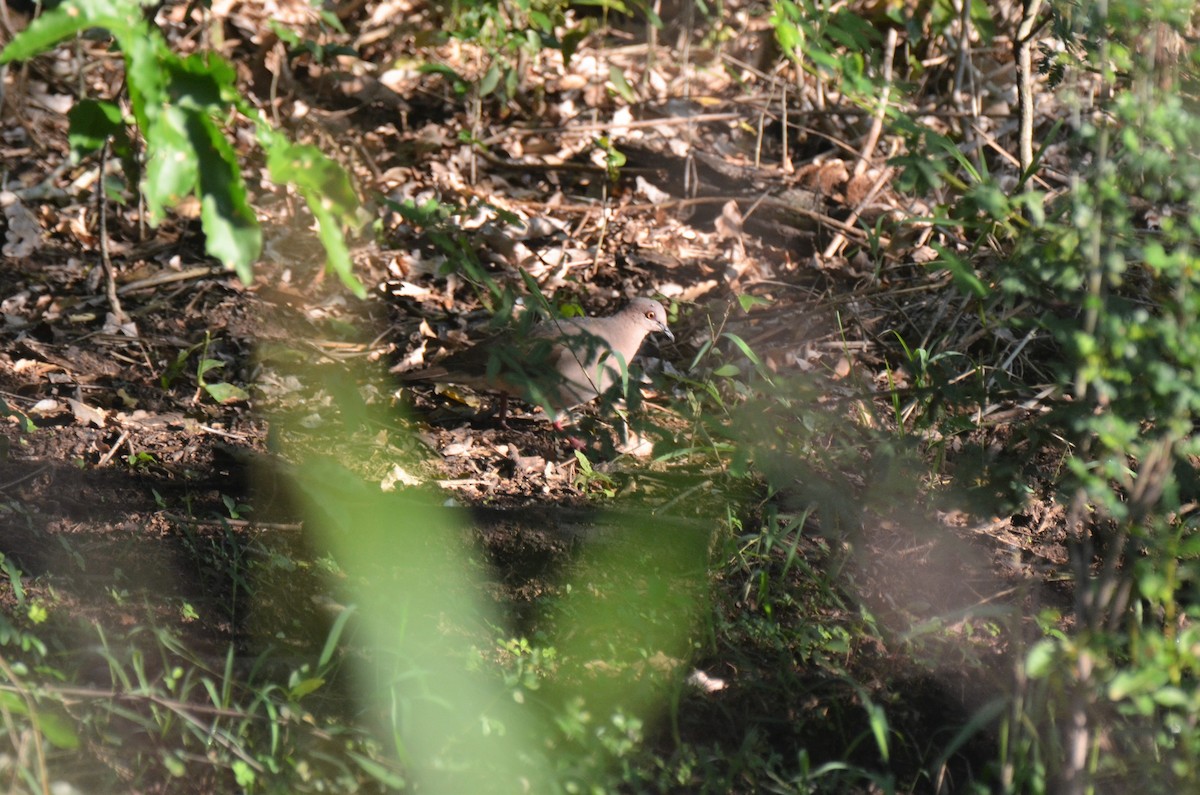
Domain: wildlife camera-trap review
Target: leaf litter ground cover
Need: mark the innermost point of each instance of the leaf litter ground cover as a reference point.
(142, 511)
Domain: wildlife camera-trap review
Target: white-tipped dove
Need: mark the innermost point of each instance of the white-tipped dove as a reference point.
(561, 363)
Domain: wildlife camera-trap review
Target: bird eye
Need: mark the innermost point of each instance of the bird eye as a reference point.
(650, 314)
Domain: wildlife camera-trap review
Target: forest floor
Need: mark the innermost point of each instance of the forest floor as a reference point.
(121, 471)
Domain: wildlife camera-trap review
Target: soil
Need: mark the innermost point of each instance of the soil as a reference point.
(121, 471)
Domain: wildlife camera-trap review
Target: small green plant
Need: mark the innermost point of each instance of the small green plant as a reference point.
(140, 459)
(233, 508)
(220, 391)
(23, 421)
(11, 631)
(588, 480)
(511, 34)
(833, 45)
(180, 107)
(527, 665)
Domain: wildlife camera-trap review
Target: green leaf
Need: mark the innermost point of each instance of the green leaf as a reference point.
(963, 274)
(329, 194)
(877, 719)
(312, 172)
(747, 301)
(335, 633)
(89, 124)
(1136, 681)
(58, 730)
(171, 165)
(302, 689)
(174, 765)
(244, 774)
(572, 39)
(51, 27)
(231, 232)
(750, 354)
(208, 365)
(621, 84)
(201, 82)
(144, 50)
(378, 772)
(226, 393)
(460, 85)
(9, 567)
(1040, 659)
(1170, 696)
(12, 702)
(727, 371)
(336, 252)
(611, 5)
(790, 38)
(490, 80)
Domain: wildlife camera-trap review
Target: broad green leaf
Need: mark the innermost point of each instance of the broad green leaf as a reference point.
(56, 24)
(244, 775)
(89, 124)
(12, 702)
(330, 196)
(302, 689)
(512, 82)
(203, 82)
(231, 231)
(571, 40)
(59, 730)
(790, 39)
(208, 365)
(338, 255)
(312, 172)
(747, 301)
(1169, 696)
(654, 19)
(1136, 681)
(226, 393)
(1040, 659)
(171, 165)
(490, 80)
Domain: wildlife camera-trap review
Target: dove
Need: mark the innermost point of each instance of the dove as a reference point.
(560, 363)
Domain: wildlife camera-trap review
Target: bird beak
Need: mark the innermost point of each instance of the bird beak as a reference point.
(663, 328)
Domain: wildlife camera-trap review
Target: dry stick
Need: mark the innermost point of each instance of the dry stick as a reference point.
(963, 73)
(783, 106)
(691, 177)
(994, 144)
(839, 240)
(170, 277)
(124, 437)
(864, 159)
(593, 127)
(21, 479)
(889, 55)
(1024, 47)
(110, 281)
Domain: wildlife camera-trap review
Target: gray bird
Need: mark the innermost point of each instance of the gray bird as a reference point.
(561, 363)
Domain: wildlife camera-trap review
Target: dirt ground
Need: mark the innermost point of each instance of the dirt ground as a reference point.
(118, 464)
